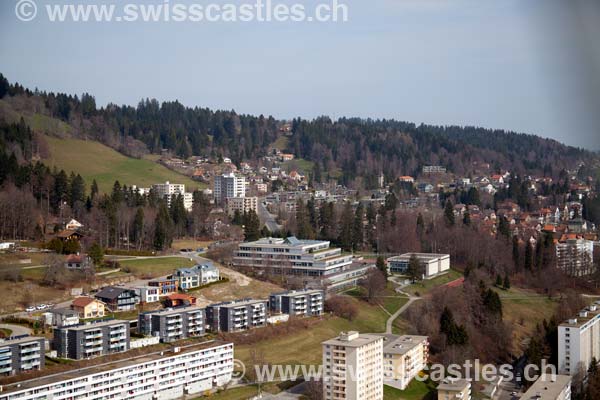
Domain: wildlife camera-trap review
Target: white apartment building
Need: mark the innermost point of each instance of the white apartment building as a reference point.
(579, 341)
(167, 190)
(575, 256)
(241, 204)
(156, 376)
(549, 387)
(454, 389)
(292, 256)
(228, 186)
(403, 358)
(353, 367)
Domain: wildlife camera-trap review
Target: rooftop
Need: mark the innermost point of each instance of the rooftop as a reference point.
(19, 340)
(453, 384)
(353, 339)
(395, 344)
(584, 316)
(95, 325)
(547, 387)
(237, 303)
(422, 256)
(173, 311)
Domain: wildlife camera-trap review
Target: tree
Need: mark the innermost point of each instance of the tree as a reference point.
(138, 228)
(415, 269)
(251, 226)
(506, 282)
(516, 252)
(94, 189)
(492, 302)
(455, 334)
(528, 256)
(96, 253)
(498, 280)
(381, 266)
(357, 232)
(467, 218)
(346, 230)
(374, 283)
(449, 213)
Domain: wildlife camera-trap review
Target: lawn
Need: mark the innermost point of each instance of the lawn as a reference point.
(193, 244)
(427, 285)
(94, 160)
(239, 393)
(155, 267)
(304, 347)
(300, 164)
(416, 390)
(389, 299)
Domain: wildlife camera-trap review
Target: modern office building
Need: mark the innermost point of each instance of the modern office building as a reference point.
(118, 298)
(22, 354)
(575, 256)
(431, 264)
(292, 256)
(241, 205)
(228, 186)
(173, 324)
(579, 341)
(169, 375)
(454, 389)
(300, 303)
(347, 278)
(403, 358)
(235, 316)
(196, 276)
(91, 340)
(167, 190)
(353, 367)
(549, 387)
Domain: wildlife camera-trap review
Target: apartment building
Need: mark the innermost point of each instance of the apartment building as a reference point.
(300, 303)
(196, 276)
(292, 256)
(148, 294)
(549, 387)
(167, 190)
(166, 286)
(353, 367)
(22, 354)
(173, 323)
(228, 186)
(241, 205)
(403, 358)
(64, 317)
(189, 370)
(432, 265)
(575, 256)
(579, 341)
(118, 298)
(91, 340)
(454, 389)
(237, 316)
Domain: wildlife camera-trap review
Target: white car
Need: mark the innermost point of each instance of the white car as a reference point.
(41, 307)
(30, 309)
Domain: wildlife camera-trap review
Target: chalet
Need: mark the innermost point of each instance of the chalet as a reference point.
(69, 234)
(73, 225)
(78, 262)
(118, 298)
(407, 179)
(180, 299)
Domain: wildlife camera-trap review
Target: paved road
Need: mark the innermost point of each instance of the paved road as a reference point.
(265, 216)
(17, 330)
(390, 321)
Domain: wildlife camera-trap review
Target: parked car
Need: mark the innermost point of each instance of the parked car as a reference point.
(30, 309)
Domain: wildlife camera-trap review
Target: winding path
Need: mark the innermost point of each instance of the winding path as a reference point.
(390, 321)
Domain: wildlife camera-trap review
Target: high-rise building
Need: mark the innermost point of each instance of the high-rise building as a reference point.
(241, 205)
(189, 370)
(353, 367)
(228, 186)
(549, 387)
(167, 190)
(575, 256)
(403, 358)
(579, 341)
(22, 354)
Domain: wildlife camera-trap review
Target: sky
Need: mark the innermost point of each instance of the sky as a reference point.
(531, 66)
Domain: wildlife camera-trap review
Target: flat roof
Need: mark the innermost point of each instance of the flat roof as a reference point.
(238, 303)
(453, 384)
(579, 320)
(396, 344)
(175, 310)
(422, 256)
(20, 340)
(77, 371)
(547, 387)
(297, 292)
(95, 325)
(358, 341)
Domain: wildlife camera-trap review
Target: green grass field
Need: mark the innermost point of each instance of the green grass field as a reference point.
(94, 160)
(415, 391)
(425, 286)
(155, 266)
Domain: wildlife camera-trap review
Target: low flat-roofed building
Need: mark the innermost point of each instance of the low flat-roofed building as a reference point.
(432, 265)
(22, 354)
(186, 370)
(549, 387)
(403, 358)
(454, 389)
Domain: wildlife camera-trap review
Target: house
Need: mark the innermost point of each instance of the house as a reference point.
(73, 225)
(406, 179)
(196, 276)
(118, 298)
(550, 387)
(64, 317)
(69, 234)
(180, 299)
(148, 294)
(88, 307)
(166, 286)
(78, 262)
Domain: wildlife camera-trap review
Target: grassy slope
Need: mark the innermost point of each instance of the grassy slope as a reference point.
(94, 160)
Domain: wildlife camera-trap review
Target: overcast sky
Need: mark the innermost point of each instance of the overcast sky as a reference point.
(526, 65)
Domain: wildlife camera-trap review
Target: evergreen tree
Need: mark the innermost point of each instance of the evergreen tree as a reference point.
(506, 282)
(492, 302)
(516, 252)
(77, 190)
(528, 256)
(420, 225)
(449, 213)
(94, 189)
(138, 227)
(467, 218)
(381, 266)
(346, 227)
(498, 280)
(357, 231)
(415, 270)
(96, 253)
(251, 226)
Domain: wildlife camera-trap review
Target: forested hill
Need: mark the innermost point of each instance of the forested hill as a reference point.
(347, 148)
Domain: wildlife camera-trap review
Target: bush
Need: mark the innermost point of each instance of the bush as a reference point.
(341, 307)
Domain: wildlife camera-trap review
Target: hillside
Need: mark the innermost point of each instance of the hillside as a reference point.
(93, 160)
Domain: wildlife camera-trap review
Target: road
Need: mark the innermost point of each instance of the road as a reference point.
(17, 330)
(390, 322)
(265, 216)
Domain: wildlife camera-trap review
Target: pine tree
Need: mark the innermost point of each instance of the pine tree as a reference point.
(467, 218)
(449, 213)
(506, 282)
(528, 256)
(357, 231)
(381, 265)
(516, 253)
(251, 226)
(138, 227)
(346, 227)
(498, 280)
(96, 253)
